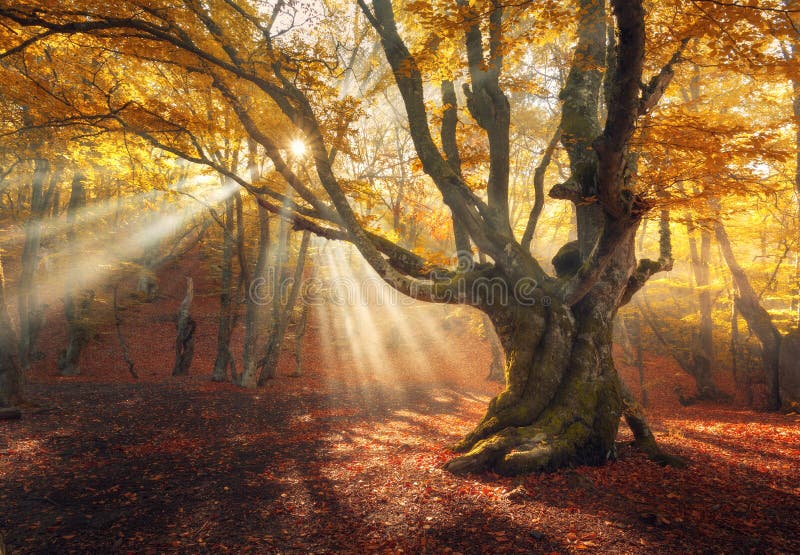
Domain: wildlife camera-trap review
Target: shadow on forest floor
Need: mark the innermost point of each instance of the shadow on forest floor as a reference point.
(191, 467)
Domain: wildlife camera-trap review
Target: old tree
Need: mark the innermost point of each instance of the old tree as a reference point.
(288, 65)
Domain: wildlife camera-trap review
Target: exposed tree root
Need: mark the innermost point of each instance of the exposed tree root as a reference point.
(561, 407)
(643, 436)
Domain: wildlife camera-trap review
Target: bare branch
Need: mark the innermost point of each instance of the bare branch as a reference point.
(655, 89)
(538, 188)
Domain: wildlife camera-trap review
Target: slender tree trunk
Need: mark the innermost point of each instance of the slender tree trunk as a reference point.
(147, 284)
(302, 322)
(269, 364)
(623, 339)
(299, 333)
(632, 326)
(184, 342)
(757, 318)
(741, 376)
(226, 290)
(257, 287)
(77, 300)
(126, 352)
(702, 363)
(796, 113)
(255, 312)
(11, 376)
(31, 313)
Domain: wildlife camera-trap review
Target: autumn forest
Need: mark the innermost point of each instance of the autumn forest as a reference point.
(464, 276)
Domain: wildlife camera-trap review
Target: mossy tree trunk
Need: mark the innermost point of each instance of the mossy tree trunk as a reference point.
(563, 399)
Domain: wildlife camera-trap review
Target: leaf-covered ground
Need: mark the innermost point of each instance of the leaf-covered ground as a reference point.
(340, 460)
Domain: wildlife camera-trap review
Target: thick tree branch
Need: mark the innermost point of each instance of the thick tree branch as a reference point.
(489, 106)
(450, 147)
(424, 281)
(464, 204)
(623, 108)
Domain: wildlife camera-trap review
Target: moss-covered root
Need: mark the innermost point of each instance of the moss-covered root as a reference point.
(484, 454)
(643, 436)
(526, 449)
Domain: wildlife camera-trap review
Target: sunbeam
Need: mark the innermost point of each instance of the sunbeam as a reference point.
(90, 261)
(384, 337)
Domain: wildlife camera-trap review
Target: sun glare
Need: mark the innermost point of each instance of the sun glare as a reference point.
(298, 147)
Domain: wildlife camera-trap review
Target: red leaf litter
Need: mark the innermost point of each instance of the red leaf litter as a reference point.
(346, 461)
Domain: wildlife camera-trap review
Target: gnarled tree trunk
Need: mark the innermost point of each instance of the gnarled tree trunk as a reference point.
(563, 398)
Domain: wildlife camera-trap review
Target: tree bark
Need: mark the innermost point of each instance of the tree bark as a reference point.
(184, 342)
(634, 326)
(580, 123)
(702, 362)
(269, 364)
(11, 376)
(757, 318)
(224, 330)
(77, 300)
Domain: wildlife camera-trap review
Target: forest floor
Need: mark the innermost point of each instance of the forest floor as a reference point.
(347, 458)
